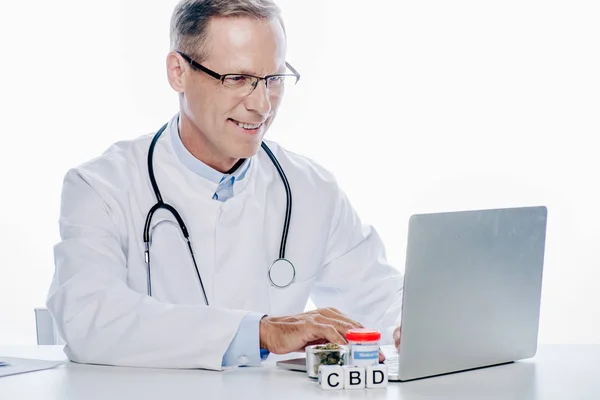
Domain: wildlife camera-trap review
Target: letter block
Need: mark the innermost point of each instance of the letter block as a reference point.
(377, 376)
(354, 377)
(331, 377)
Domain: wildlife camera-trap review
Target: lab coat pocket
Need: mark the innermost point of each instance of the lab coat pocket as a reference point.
(292, 299)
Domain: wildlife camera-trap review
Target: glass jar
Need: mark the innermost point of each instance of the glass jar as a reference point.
(324, 354)
(364, 347)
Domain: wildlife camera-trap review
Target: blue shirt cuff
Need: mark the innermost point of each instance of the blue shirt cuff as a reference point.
(264, 353)
(244, 349)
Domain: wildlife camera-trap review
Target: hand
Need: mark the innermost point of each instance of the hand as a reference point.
(396, 336)
(282, 335)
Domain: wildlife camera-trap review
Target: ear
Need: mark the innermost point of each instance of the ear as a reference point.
(177, 71)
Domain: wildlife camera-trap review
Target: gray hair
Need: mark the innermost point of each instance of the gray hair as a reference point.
(190, 20)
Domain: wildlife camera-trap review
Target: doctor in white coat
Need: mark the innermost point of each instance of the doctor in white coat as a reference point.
(221, 307)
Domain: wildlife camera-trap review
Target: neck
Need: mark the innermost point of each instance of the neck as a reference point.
(195, 142)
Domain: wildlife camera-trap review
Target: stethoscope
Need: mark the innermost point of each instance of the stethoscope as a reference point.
(281, 272)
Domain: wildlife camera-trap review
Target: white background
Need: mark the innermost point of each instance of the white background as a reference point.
(415, 106)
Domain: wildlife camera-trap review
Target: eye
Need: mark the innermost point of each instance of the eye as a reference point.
(235, 80)
(276, 80)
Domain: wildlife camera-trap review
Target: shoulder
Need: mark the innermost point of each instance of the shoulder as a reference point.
(302, 167)
(115, 168)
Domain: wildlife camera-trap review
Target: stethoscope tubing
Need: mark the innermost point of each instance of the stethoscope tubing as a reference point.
(161, 204)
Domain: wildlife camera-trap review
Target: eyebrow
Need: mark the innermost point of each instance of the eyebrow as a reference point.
(244, 71)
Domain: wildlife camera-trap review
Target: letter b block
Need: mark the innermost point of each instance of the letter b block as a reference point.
(354, 377)
(377, 376)
(331, 377)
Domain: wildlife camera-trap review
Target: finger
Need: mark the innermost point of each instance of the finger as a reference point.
(381, 356)
(341, 326)
(336, 314)
(397, 334)
(322, 331)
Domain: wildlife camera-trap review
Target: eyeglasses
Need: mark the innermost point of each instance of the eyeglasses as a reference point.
(244, 84)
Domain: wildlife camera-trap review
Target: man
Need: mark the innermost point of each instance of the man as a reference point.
(114, 303)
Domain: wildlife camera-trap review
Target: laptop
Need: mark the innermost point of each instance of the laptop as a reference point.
(472, 291)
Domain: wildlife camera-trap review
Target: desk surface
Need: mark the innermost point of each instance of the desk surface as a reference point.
(556, 372)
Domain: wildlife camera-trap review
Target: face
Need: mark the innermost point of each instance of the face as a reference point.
(213, 113)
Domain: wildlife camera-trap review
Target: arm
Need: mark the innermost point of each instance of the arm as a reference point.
(101, 319)
(244, 349)
(356, 278)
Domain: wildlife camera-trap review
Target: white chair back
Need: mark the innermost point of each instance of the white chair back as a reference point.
(45, 329)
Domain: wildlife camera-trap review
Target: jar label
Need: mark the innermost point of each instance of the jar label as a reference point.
(363, 355)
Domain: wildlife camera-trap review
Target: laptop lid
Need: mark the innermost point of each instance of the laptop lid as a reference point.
(472, 289)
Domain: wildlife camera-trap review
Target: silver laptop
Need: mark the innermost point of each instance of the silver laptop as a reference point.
(472, 290)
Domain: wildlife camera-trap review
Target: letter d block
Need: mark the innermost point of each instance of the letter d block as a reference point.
(354, 377)
(331, 377)
(377, 376)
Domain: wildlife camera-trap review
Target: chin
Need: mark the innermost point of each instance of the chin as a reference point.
(246, 150)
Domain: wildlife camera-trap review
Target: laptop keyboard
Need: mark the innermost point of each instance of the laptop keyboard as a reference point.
(391, 359)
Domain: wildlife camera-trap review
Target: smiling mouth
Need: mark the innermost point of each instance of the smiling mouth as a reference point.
(247, 126)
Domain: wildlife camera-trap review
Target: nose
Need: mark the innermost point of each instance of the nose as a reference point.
(259, 101)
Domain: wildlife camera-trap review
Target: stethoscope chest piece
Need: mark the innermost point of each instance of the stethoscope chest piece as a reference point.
(282, 273)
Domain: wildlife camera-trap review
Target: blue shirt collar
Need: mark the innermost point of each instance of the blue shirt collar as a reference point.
(197, 166)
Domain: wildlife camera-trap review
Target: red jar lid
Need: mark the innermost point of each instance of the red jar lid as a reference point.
(363, 335)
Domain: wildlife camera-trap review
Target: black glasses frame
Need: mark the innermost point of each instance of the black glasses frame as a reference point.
(222, 78)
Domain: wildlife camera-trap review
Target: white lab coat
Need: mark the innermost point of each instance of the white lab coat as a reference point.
(98, 296)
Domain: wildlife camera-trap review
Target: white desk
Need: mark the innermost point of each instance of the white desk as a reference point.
(557, 372)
